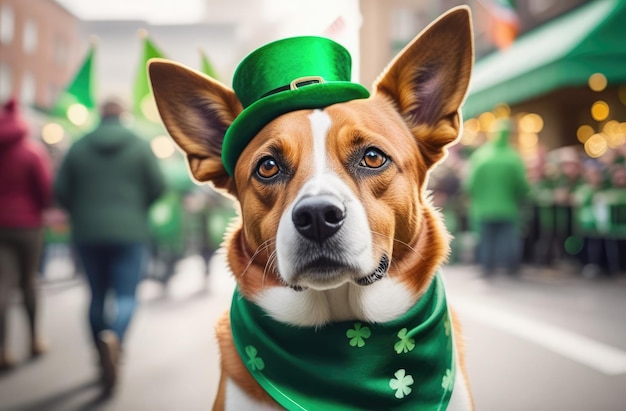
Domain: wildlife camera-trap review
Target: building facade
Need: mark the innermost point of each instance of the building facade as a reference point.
(41, 44)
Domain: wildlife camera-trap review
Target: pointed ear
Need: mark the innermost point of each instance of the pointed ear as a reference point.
(196, 111)
(428, 81)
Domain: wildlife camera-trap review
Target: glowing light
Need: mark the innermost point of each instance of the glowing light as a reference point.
(597, 82)
(472, 125)
(486, 121)
(162, 147)
(471, 128)
(149, 109)
(600, 110)
(528, 140)
(614, 133)
(596, 145)
(52, 133)
(611, 127)
(616, 140)
(78, 114)
(584, 132)
(531, 123)
(502, 111)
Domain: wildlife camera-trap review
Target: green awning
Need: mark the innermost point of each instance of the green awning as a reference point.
(563, 52)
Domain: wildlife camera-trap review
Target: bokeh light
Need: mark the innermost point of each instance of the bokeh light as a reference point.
(163, 147)
(486, 121)
(149, 109)
(600, 110)
(596, 145)
(584, 132)
(52, 133)
(471, 128)
(78, 114)
(597, 82)
(502, 111)
(531, 123)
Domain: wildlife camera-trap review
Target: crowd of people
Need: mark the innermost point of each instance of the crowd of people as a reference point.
(560, 206)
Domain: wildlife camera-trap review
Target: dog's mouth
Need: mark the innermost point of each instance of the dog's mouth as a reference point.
(330, 276)
(378, 274)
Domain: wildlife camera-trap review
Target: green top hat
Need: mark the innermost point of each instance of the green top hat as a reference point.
(287, 75)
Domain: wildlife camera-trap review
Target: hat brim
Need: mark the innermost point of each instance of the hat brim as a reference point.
(252, 120)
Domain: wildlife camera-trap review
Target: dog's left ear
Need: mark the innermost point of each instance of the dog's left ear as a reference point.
(428, 81)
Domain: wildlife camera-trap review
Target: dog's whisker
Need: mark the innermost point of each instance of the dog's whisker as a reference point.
(403, 243)
(264, 246)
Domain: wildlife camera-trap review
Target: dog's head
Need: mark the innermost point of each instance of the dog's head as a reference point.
(335, 223)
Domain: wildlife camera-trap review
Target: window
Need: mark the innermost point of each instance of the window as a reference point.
(30, 36)
(28, 88)
(6, 88)
(7, 24)
(60, 52)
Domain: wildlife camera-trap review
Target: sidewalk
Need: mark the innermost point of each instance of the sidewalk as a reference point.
(170, 360)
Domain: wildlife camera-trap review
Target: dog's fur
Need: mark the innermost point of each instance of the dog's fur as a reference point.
(412, 115)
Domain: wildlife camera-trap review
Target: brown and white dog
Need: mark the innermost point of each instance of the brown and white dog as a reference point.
(368, 158)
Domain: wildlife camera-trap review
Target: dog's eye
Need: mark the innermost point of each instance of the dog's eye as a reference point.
(373, 158)
(267, 167)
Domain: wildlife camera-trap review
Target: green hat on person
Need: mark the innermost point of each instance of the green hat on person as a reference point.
(287, 75)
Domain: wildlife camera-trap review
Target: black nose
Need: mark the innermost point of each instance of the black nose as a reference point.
(319, 217)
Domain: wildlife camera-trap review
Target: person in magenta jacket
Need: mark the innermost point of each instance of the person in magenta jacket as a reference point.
(25, 191)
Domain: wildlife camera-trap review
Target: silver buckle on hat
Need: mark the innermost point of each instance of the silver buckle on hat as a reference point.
(305, 81)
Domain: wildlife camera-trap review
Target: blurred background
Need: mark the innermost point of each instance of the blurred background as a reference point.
(552, 337)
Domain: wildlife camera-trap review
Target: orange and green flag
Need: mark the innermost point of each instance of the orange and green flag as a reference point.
(143, 102)
(504, 24)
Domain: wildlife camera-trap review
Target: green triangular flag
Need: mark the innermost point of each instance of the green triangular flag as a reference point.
(207, 67)
(80, 91)
(143, 103)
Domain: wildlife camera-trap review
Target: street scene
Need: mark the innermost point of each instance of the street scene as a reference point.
(543, 341)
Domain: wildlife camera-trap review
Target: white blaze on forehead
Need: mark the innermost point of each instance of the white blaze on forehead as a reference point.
(320, 124)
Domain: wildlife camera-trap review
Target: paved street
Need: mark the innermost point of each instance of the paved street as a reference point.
(546, 341)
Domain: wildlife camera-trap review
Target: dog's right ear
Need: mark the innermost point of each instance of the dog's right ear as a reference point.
(196, 110)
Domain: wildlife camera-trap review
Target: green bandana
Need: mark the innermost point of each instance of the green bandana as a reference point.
(405, 364)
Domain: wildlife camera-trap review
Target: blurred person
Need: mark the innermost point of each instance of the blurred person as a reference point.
(107, 182)
(25, 191)
(611, 210)
(585, 218)
(568, 179)
(543, 241)
(496, 186)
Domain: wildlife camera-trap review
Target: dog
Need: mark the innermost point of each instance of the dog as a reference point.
(337, 252)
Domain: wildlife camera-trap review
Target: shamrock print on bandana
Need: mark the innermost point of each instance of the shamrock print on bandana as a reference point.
(447, 382)
(401, 384)
(358, 335)
(254, 363)
(405, 344)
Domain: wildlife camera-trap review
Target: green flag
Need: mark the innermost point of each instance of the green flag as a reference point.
(143, 102)
(207, 67)
(77, 100)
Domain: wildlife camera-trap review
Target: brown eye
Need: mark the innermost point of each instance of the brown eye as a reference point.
(373, 158)
(267, 168)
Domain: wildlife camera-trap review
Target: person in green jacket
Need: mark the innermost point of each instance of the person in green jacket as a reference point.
(107, 182)
(496, 186)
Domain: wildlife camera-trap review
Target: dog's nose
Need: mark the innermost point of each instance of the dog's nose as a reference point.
(319, 217)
